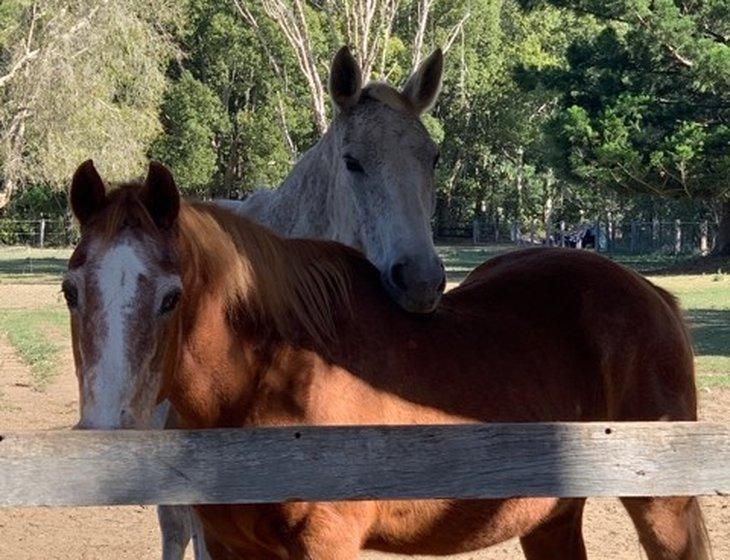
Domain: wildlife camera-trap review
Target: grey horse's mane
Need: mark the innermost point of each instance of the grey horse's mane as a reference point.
(387, 94)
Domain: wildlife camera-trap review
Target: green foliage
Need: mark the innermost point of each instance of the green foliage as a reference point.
(550, 109)
(193, 119)
(646, 100)
(11, 12)
(36, 201)
(235, 142)
(79, 80)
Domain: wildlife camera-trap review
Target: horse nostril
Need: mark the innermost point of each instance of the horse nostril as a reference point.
(396, 276)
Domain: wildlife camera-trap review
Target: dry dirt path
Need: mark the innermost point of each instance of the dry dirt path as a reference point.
(123, 533)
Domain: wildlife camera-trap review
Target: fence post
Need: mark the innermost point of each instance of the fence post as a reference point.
(634, 231)
(562, 233)
(677, 236)
(609, 233)
(42, 234)
(475, 231)
(703, 237)
(516, 234)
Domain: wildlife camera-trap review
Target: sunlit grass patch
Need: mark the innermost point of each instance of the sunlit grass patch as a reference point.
(36, 336)
(712, 381)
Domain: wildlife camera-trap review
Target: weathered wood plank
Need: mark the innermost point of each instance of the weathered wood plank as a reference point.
(335, 463)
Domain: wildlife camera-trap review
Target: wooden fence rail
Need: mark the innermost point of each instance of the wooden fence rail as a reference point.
(359, 462)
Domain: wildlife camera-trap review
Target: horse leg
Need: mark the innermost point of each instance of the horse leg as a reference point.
(198, 534)
(670, 528)
(175, 526)
(559, 538)
(177, 523)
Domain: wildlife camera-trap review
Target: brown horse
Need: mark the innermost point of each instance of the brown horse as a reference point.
(239, 327)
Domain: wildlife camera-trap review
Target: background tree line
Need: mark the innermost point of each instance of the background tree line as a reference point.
(550, 110)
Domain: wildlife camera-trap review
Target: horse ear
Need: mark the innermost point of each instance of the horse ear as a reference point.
(345, 79)
(87, 193)
(422, 87)
(160, 195)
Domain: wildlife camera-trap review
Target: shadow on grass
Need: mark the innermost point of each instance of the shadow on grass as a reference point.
(710, 331)
(30, 265)
(696, 265)
(461, 259)
(655, 264)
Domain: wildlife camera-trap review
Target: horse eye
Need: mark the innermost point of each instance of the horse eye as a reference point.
(70, 293)
(353, 165)
(169, 302)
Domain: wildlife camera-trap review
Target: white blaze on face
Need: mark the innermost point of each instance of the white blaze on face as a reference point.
(111, 379)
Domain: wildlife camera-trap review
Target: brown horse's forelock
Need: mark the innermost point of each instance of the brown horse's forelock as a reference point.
(123, 210)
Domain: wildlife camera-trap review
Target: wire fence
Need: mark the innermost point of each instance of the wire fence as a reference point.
(44, 232)
(671, 237)
(666, 237)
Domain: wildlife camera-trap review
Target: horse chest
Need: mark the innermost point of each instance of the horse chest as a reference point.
(244, 531)
(455, 526)
(407, 527)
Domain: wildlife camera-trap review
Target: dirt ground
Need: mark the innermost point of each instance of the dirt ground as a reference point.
(123, 533)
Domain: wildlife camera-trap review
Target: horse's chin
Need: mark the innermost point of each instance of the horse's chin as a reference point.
(125, 422)
(425, 305)
(418, 307)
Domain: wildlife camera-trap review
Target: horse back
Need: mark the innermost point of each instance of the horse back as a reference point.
(628, 333)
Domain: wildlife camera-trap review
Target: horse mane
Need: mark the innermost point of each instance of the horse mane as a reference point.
(297, 286)
(385, 93)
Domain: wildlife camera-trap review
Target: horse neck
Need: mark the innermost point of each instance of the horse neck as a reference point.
(226, 340)
(230, 377)
(308, 203)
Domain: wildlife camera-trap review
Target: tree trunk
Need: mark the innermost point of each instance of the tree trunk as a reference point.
(723, 235)
(6, 192)
(13, 149)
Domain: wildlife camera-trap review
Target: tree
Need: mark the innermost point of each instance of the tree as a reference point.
(79, 80)
(266, 61)
(194, 120)
(494, 143)
(646, 101)
(314, 32)
(237, 102)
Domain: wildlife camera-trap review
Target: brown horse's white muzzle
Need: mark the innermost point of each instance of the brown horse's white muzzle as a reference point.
(108, 420)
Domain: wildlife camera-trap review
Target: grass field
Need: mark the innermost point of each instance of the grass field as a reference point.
(37, 329)
(32, 317)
